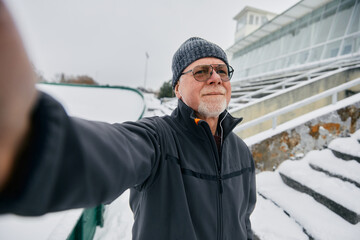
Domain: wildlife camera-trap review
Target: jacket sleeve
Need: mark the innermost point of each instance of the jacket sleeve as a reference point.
(252, 197)
(72, 163)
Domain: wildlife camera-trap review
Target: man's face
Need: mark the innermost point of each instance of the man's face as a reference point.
(207, 99)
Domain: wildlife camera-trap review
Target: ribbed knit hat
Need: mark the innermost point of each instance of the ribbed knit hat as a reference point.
(191, 50)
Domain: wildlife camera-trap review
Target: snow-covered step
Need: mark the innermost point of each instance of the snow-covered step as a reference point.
(356, 135)
(315, 218)
(269, 222)
(332, 192)
(346, 148)
(325, 161)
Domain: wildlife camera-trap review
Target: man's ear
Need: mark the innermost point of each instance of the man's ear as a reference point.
(176, 90)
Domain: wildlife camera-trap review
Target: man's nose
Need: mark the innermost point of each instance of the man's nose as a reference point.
(214, 78)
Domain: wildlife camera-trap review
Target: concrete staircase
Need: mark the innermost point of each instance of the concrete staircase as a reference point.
(316, 197)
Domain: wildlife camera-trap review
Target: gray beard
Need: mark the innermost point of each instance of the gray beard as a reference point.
(209, 109)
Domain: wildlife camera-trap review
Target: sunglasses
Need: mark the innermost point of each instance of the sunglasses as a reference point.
(203, 73)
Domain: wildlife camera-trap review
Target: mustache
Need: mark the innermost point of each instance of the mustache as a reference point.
(219, 89)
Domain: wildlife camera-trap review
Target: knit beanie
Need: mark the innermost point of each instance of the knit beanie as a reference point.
(191, 50)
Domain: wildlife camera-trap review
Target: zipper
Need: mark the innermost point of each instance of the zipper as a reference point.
(220, 210)
(221, 188)
(219, 178)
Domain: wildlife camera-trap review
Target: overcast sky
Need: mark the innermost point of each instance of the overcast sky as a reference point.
(108, 39)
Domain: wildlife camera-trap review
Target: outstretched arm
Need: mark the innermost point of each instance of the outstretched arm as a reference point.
(17, 94)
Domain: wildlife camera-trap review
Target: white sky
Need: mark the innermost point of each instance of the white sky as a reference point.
(107, 39)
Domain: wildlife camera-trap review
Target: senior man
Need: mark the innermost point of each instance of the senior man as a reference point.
(190, 176)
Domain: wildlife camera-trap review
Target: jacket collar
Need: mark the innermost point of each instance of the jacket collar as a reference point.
(186, 117)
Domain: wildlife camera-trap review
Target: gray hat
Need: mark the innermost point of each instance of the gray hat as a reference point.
(191, 50)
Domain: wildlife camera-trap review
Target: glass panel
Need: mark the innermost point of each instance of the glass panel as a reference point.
(271, 66)
(251, 19)
(316, 53)
(348, 46)
(314, 25)
(241, 23)
(296, 40)
(342, 19)
(289, 42)
(302, 57)
(263, 68)
(355, 25)
(304, 39)
(263, 20)
(290, 60)
(284, 45)
(324, 26)
(356, 45)
(332, 49)
(273, 47)
(280, 63)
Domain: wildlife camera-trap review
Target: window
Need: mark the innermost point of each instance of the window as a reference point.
(324, 26)
(251, 19)
(316, 54)
(355, 25)
(241, 23)
(332, 49)
(264, 20)
(342, 19)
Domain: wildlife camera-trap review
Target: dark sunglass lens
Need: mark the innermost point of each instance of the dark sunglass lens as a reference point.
(202, 72)
(222, 70)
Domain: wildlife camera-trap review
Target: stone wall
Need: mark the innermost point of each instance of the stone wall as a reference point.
(313, 135)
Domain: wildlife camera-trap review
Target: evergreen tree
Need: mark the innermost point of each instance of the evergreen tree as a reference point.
(166, 90)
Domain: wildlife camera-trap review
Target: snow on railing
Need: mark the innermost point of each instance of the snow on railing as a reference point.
(274, 115)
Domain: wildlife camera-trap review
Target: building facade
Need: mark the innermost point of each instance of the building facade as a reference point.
(311, 33)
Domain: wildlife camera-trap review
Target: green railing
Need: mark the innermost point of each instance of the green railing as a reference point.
(87, 223)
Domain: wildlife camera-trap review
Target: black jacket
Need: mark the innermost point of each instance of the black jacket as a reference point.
(181, 187)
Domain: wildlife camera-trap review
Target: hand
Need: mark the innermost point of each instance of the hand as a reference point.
(17, 94)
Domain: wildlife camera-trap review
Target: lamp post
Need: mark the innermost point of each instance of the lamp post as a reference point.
(146, 64)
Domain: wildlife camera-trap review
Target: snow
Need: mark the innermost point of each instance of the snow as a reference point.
(271, 223)
(99, 104)
(335, 189)
(49, 226)
(327, 161)
(346, 145)
(156, 107)
(356, 135)
(319, 222)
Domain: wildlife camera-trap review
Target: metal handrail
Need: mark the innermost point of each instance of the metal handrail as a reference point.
(273, 115)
